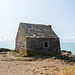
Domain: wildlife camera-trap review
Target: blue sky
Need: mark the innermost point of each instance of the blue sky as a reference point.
(58, 13)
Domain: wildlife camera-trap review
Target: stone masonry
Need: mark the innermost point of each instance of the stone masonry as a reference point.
(36, 38)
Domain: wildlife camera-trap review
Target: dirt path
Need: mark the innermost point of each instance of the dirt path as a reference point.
(13, 65)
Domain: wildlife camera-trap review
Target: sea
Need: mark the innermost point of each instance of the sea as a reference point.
(64, 46)
(68, 47)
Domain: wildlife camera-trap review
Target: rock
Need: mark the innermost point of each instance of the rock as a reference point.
(54, 57)
(63, 51)
(69, 52)
(66, 53)
(42, 73)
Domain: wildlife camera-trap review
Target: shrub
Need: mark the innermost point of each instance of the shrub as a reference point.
(16, 50)
(56, 69)
(4, 49)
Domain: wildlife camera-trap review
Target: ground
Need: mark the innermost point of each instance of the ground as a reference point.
(12, 64)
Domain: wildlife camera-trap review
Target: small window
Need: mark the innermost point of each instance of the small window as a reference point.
(45, 44)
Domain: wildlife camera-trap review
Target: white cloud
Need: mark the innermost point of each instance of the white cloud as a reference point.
(6, 36)
(74, 37)
(69, 39)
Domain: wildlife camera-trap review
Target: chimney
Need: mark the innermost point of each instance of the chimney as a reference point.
(49, 26)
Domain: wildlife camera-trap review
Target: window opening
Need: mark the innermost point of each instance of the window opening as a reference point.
(46, 44)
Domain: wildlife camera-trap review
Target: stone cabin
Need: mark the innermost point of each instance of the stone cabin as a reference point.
(37, 38)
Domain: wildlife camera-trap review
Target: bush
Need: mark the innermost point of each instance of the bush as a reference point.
(4, 49)
(15, 50)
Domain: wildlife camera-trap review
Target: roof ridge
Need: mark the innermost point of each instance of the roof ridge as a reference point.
(36, 24)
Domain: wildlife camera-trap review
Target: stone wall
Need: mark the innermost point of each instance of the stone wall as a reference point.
(20, 40)
(33, 39)
(35, 45)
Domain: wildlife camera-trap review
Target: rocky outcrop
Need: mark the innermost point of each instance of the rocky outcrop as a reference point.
(67, 55)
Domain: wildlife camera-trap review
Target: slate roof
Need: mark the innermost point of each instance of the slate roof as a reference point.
(38, 31)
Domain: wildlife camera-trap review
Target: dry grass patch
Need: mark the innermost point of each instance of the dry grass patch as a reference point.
(40, 59)
(69, 71)
(17, 59)
(27, 63)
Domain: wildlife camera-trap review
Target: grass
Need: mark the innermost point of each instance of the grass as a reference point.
(70, 71)
(40, 59)
(46, 69)
(56, 69)
(44, 66)
(16, 64)
(27, 64)
(17, 59)
(49, 66)
(16, 50)
(4, 49)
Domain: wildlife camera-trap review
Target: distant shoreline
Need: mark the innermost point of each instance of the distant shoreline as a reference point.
(64, 46)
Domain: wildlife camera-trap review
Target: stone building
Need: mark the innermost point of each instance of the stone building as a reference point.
(37, 38)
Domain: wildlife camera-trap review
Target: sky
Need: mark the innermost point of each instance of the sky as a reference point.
(58, 13)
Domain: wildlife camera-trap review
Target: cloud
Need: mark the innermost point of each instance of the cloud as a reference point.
(69, 39)
(74, 37)
(6, 36)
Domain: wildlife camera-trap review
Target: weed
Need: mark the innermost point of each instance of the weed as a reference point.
(56, 69)
(44, 66)
(16, 64)
(46, 69)
(16, 50)
(50, 66)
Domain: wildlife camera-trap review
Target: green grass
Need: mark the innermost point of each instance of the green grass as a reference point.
(49, 66)
(56, 69)
(44, 66)
(4, 49)
(15, 50)
(46, 69)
